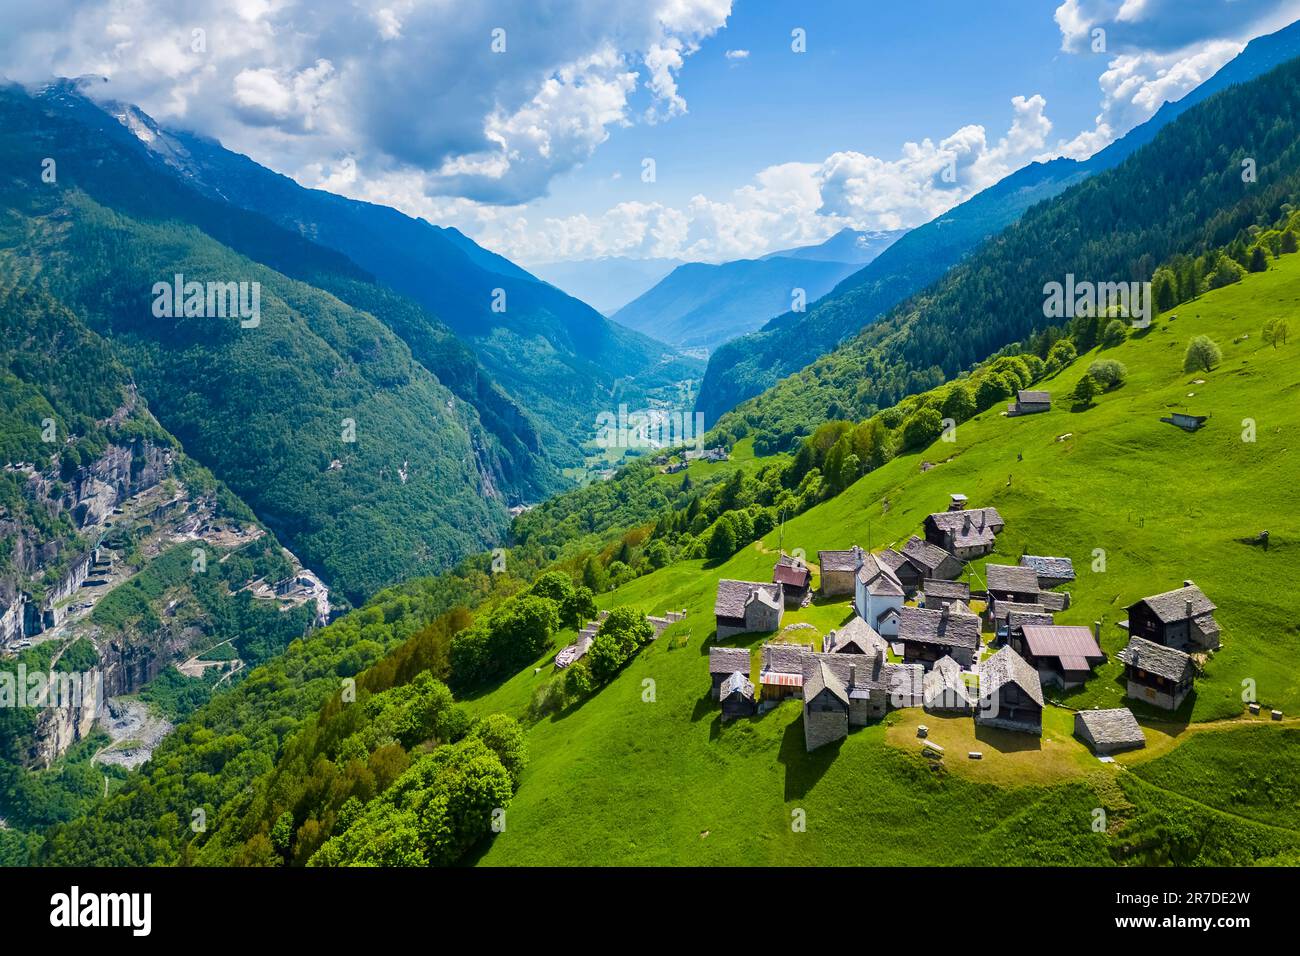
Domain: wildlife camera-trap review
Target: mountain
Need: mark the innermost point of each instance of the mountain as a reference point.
(1180, 194)
(700, 305)
(321, 418)
(747, 366)
(605, 743)
(608, 283)
(552, 354)
(847, 245)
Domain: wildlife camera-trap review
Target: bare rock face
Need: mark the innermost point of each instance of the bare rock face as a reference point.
(88, 497)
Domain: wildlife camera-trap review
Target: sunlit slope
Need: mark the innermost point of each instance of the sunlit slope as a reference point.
(622, 780)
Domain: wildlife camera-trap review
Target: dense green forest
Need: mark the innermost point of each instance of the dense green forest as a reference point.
(1183, 193)
(319, 417)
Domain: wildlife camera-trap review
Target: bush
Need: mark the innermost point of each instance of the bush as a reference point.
(1202, 354)
(1108, 373)
(1115, 334)
(1086, 390)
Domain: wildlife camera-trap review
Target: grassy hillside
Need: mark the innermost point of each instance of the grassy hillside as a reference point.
(618, 779)
(1180, 194)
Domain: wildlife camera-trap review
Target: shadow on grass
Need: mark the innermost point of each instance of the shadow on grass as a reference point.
(704, 706)
(1007, 741)
(803, 769)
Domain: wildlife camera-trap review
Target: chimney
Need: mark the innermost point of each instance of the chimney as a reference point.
(853, 675)
(956, 502)
(1188, 607)
(1096, 630)
(1187, 584)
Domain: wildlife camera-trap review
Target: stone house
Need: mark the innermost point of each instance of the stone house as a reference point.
(747, 607)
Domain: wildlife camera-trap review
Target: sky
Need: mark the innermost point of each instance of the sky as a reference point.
(690, 129)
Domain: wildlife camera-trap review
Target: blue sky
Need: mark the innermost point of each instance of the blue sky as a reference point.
(525, 124)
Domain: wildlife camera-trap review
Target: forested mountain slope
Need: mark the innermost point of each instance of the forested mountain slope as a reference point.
(319, 417)
(1185, 191)
(554, 355)
(749, 365)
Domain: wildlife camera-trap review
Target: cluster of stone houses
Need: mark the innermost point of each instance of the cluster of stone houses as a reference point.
(909, 600)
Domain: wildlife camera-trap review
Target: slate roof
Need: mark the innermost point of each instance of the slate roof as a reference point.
(1018, 619)
(904, 680)
(734, 596)
(926, 557)
(1053, 600)
(817, 676)
(839, 560)
(736, 682)
(1008, 667)
(856, 633)
(728, 660)
(891, 559)
(857, 674)
(1172, 605)
(1117, 727)
(1075, 646)
(879, 578)
(938, 588)
(947, 628)
(1011, 577)
(1045, 567)
(1003, 608)
(1026, 395)
(1167, 662)
(784, 658)
(954, 521)
(945, 686)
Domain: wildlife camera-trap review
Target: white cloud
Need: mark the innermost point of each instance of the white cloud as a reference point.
(786, 205)
(1156, 51)
(408, 87)
(737, 54)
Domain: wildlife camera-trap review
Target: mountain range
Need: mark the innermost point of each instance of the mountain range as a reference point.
(746, 366)
(700, 305)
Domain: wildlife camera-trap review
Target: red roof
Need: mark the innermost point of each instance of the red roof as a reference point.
(788, 574)
(1073, 644)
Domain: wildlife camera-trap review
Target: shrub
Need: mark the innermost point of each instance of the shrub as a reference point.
(1202, 354)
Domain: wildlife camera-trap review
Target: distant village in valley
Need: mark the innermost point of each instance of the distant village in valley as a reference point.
(929, 629)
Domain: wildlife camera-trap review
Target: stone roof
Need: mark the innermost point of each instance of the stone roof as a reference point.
(1117, 727)
(1172, 605)
(1011, 577)
(1002, 608)
(1018, 619)
(1026, 395)
(1167, 662)
(839, 560)
(891, 559)
(728, 660)
(734, 596)
(1008, 667)
(904, 680)
(785, 658)
(945, 686)
(926, 557)
(736, 682)
(817, 677)
(857, 633)
(879, 578)
(927, 626)
(1054, 600)
(954, 521)
(938, 588)
(1045, 567)
(855, 672)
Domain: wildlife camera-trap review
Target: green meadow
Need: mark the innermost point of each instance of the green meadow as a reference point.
(644, 772)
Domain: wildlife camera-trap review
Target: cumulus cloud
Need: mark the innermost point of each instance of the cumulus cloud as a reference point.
(487, 101)
(1156, 51)
(786, 205)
